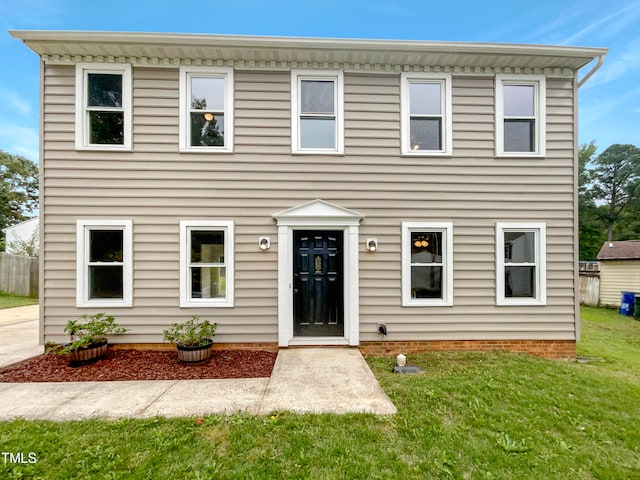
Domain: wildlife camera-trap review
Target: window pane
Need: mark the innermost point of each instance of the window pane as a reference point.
(105, 90)
(105, 282)
(207, 129)
(208, 282)
(106, 128)
(519, 247)
(207, 93)
(317, 133)
(519, 135)
(519, 100)
(426, 133)
(425, 98)
(105, 245)
(316, 96)
(426, 282)
(426, 247)
(520, 282)
(207, 246)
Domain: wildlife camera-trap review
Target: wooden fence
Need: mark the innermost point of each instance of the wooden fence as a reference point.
(19, 275)
(589, 288)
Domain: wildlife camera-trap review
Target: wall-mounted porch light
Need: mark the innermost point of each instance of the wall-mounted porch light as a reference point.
(264, 243)
(372, 244)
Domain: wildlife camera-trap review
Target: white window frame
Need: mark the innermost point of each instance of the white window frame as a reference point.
(447, 268)
(337, 76)
(186, 73)
(540, 89)
(82, 109)
(186, 226)
(446, 102)
(540, 231)
(83, 228)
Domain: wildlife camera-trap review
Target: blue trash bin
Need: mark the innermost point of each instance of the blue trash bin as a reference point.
(626, 303)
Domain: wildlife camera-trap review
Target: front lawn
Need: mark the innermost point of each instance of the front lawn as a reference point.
(468, 416)
(8, 300)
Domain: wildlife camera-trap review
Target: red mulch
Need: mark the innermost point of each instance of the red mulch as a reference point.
(142, 365)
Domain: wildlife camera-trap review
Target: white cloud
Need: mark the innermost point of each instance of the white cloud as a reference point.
(608, 25)
(14, 102)
(20, 140)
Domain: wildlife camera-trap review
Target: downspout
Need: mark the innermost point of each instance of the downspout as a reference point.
(593, 70)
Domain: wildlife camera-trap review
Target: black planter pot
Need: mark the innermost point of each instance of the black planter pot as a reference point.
(191, 354)
(91, 352)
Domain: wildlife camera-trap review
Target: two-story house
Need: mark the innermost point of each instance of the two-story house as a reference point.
(304, 191)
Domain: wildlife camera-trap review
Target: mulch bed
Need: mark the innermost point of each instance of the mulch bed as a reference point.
(123, 364)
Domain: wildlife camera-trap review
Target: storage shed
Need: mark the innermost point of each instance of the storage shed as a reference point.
(619, 270)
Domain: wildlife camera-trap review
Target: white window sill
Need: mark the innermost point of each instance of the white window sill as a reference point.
(105, 148)
(206, 305)
(317, 152)
(427, 303)
(520, 155)
(521, 303)
(207, 150)
(104, 304)
(425, 153)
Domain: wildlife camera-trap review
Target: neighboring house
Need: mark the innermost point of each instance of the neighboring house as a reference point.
(619, 270)
(305, 191)
(23, 232)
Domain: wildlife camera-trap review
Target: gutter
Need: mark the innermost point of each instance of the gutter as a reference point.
(593, 70)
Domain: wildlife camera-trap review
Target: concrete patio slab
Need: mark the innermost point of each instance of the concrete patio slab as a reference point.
(324, 380)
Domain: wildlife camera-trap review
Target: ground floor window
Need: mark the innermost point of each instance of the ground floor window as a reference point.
(427, 263)
(521, 265)
(104, 263)
(206, 263)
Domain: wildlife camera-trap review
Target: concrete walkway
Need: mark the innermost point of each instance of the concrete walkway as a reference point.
(304, 380)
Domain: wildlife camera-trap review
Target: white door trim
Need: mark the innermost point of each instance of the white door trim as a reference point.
(318, 215)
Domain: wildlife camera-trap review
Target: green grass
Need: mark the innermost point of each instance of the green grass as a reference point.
(468, 416)
(8, 301)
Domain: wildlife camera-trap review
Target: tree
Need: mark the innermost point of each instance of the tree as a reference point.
(592, 229)
(29, 247)
(615, 181)
(18, 190)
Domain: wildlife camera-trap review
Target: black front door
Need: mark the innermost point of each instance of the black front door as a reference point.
(318, 293)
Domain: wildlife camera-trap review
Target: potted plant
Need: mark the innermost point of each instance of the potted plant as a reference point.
(192, 338)
(88, 339)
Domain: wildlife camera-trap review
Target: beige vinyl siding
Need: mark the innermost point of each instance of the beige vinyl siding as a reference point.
(156, 186)
(618, 276)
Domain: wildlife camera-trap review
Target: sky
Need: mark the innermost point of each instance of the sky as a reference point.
(609, 102)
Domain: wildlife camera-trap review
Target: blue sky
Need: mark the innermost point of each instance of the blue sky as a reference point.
(609, 109)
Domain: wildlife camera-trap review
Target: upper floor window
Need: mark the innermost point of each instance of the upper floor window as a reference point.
(520, 115)
(317, 112)
(521, 263)
(103, 106)
(426, 114)
(206, 109)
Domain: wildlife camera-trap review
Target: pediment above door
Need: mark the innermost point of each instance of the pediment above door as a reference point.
(318, 212)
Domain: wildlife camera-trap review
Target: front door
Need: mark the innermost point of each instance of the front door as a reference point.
(318, 292)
